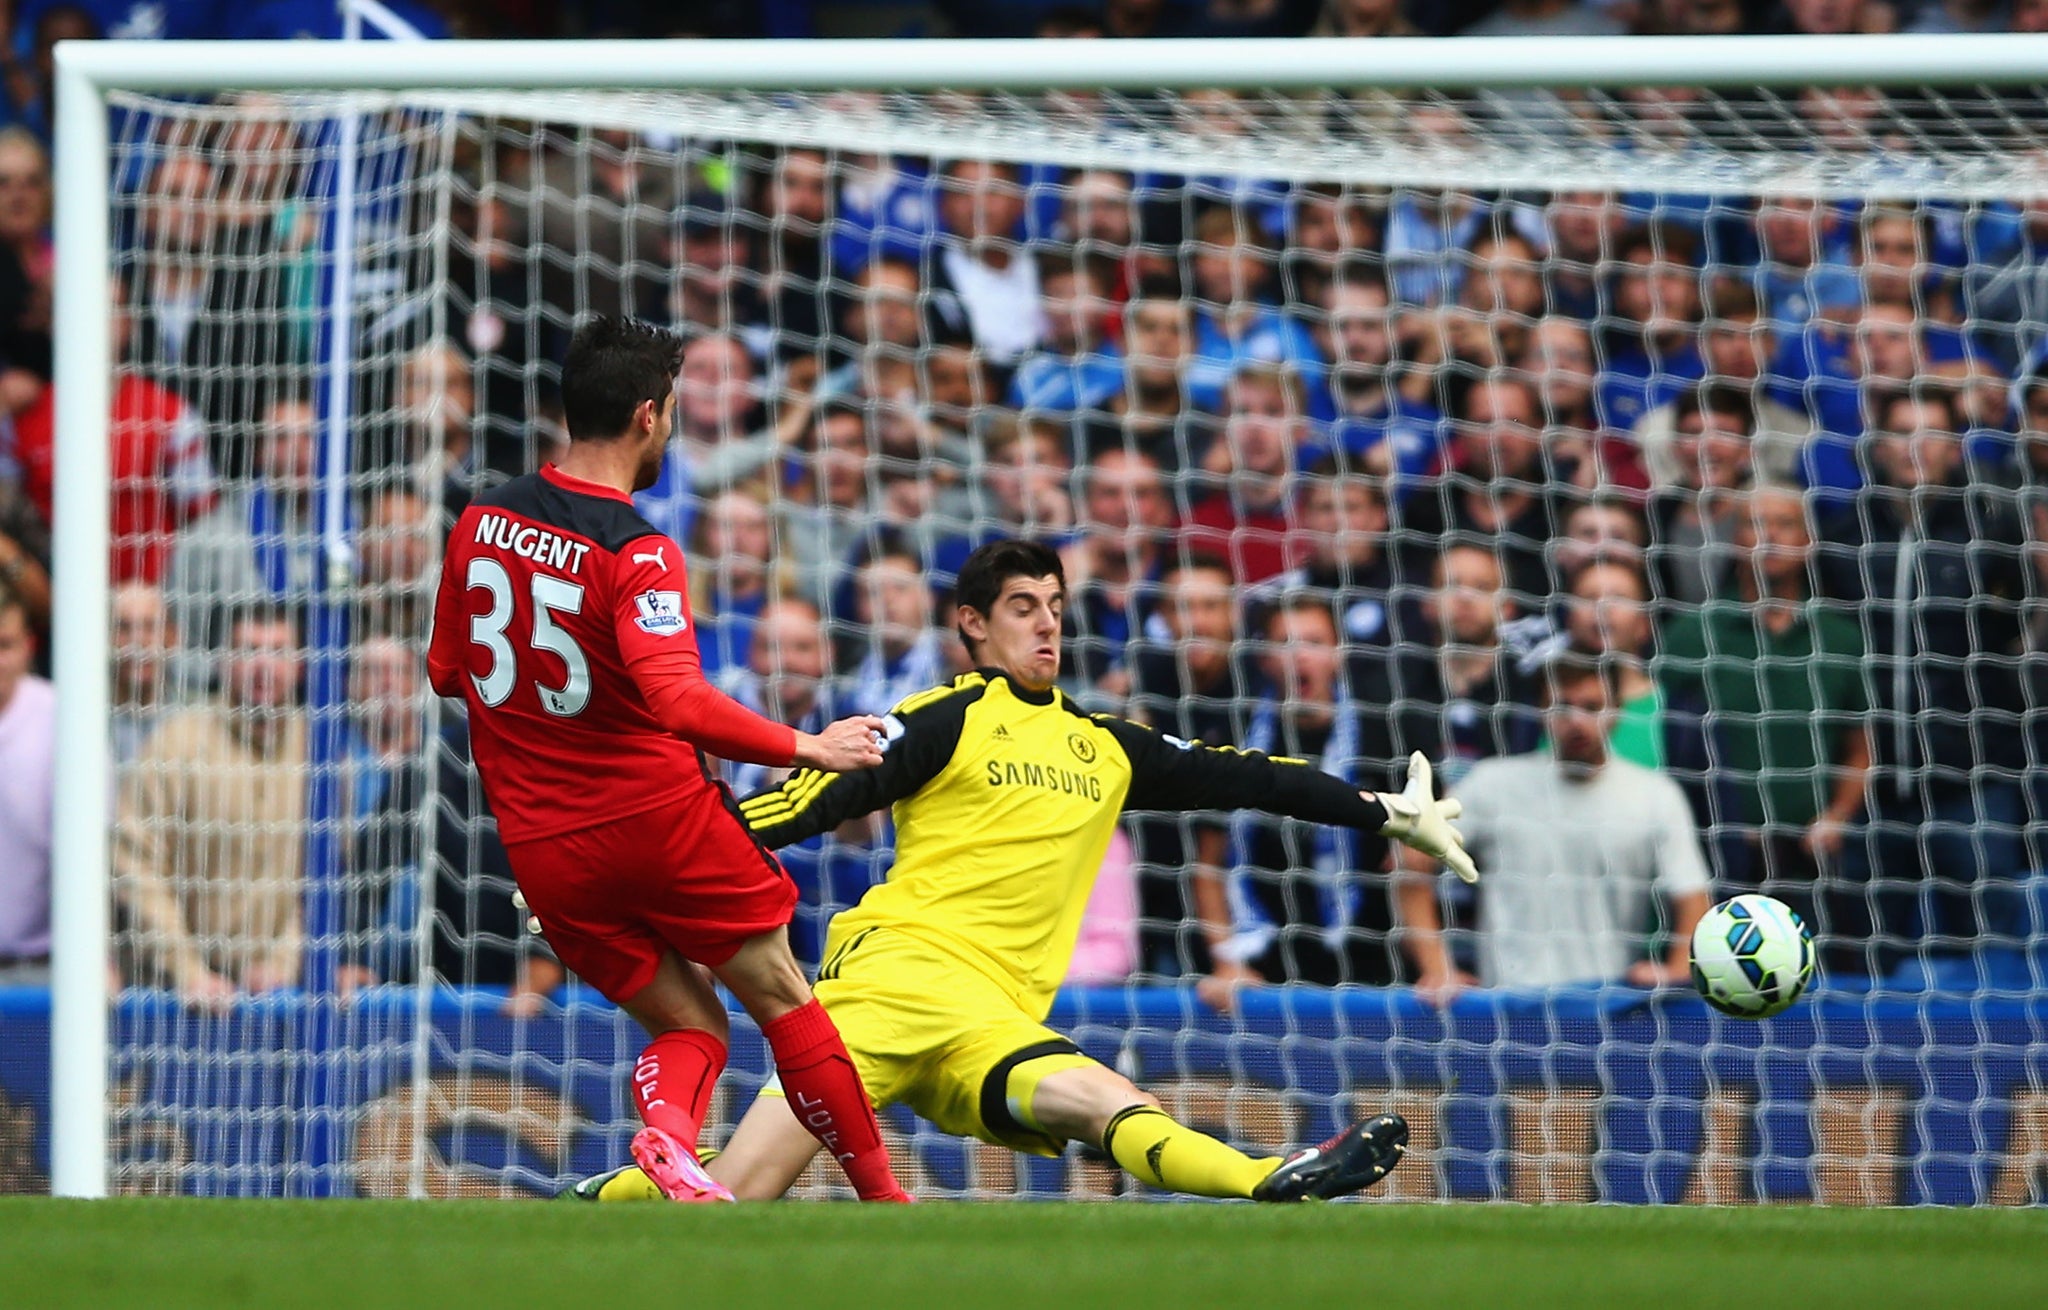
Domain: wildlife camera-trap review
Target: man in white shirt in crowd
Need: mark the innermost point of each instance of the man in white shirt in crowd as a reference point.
(1581, 850)
(28, 761)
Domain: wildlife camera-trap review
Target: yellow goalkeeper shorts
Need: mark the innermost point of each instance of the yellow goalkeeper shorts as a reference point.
(928, 1032)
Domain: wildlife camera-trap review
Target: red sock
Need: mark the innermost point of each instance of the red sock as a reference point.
(673, 1081)
(819, 1078)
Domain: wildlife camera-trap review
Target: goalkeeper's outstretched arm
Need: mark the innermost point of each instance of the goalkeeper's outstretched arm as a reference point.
(918, 739)
(1170, 774)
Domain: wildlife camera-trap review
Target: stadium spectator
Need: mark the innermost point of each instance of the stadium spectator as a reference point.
(1559, 359)
(1329, 226)
(163, 476)
(1933, 565)
(1895, 261)
(1071, 368)
(1236, 319)
(608, 194)
(1738, 348)
(1151, 414)
(731, 577)
(1340, 549)
(884, 208)
(1584, 230)
(213, 310)
(1652, 349)
(1099, 220)
(716, 285)
(1485, 325)
(146, 682)
(1113, 566)
(1783, 679)
(820, 525)
(1023, 477)
(209, 828)
(1803, 248)
(1379, 421)
(980, 274)
(2005, 290)
(24, 543)
(1185, 681)
(398, 557)
(1584, 852)
(28, 257)
(260, 545)
(793, 199)
(786, 678)
(31, 82)
(1310, 907)
(1849, 367)
(1694, 517)
(437, 406)
(478, 931)
(902, 651)
(492, 306)
(1453, 687)
(28, 765)
(1605, 528)
(1241, 501)
(719, 437)
(1497, 490)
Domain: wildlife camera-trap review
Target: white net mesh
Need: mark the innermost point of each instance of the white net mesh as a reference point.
(1345, 412)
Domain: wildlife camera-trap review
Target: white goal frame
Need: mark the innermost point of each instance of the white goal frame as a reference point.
(88, 72)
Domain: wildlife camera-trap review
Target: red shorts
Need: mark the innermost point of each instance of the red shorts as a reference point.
(613, 898)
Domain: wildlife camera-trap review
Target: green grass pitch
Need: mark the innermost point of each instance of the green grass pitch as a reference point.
(512, 1256)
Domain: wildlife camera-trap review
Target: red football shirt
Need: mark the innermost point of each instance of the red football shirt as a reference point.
(563, 620)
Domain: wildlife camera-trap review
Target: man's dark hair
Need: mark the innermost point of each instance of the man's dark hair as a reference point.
(613, 366)
(1572, 665)
(1303, 602)
(990, 566)
(259, 614)
(1722, 398)
(1201, 561)
(1941, 398)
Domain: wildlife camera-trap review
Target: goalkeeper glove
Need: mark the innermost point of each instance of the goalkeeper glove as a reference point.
(1416, 817)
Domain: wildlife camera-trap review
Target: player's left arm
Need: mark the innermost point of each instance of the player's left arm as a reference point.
(651, 617)
(1170, 774)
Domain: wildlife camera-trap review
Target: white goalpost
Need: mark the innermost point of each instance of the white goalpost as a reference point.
(407, 153)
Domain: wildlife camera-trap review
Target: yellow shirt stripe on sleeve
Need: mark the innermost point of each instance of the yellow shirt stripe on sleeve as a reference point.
(787, 802)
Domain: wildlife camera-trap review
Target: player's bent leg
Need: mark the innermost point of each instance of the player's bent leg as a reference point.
(1093, 1103)
(768, 1152)
(823, 1087)
(674, 1078)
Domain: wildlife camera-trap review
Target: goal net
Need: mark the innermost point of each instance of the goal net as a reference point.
(1352, 415)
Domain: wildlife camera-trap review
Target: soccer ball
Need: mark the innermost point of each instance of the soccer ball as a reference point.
(1751, 957)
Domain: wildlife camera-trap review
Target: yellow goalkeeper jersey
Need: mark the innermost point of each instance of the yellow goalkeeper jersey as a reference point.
(1004, 801)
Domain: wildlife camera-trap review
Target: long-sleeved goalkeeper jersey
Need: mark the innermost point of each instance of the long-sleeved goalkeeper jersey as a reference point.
(1004, 801)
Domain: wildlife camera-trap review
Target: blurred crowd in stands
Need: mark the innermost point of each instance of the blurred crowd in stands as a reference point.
(1699, 539)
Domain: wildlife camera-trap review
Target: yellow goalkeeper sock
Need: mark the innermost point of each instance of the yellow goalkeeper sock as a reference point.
(1154, 1149)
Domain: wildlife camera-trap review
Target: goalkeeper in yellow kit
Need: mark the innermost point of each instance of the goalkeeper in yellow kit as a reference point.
(1005, 797)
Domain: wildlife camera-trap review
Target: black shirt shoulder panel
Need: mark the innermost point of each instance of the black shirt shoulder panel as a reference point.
(606, 523)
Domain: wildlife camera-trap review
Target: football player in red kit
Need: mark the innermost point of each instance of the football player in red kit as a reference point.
(563, 620)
